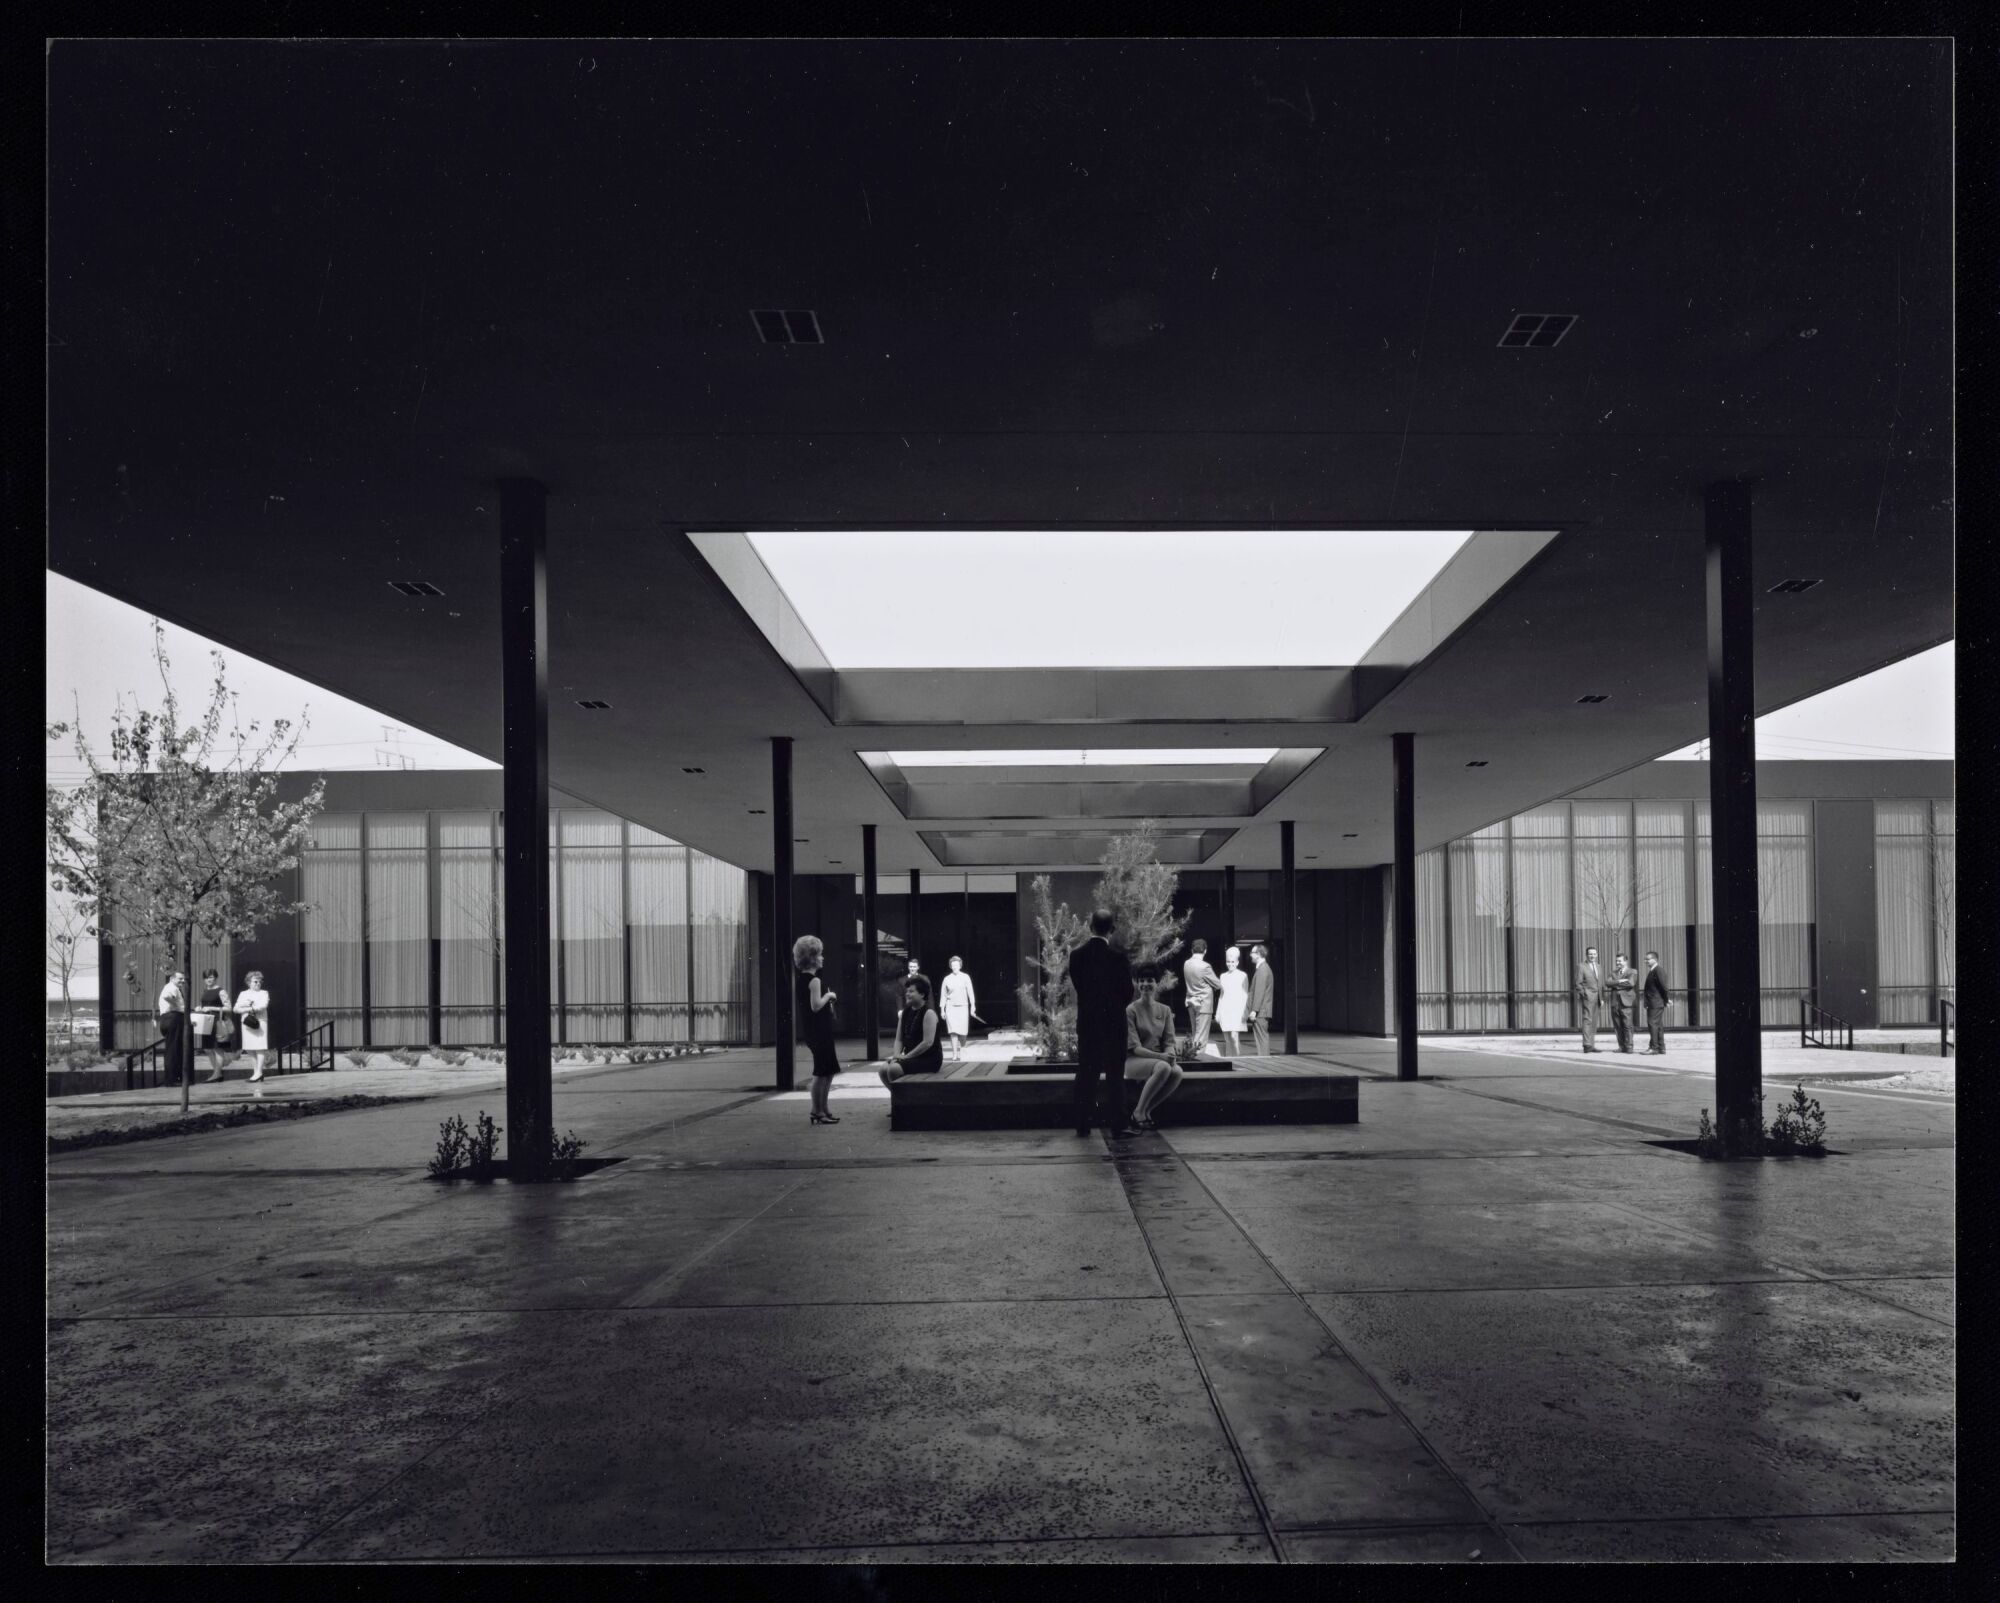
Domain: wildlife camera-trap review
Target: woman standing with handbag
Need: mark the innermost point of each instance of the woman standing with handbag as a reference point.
(212, 1024)
(253, 1010)
(960, 1007)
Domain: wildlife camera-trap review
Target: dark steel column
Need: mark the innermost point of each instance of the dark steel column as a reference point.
(1228, 907)
(433, 857)
(367, 994)
(625, 921)
(871, 956)
(1404, 957)
(562, 957)
(917, 916)
(1507, 932)
(1732, 809)
(1691, 838)
(524, 672)
(1289, 875)
(782, 987)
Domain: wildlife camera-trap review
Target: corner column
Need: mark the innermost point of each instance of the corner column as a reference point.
(917, 916)
(1290, 926)
(524, 673)
(1229, 906)
(1404, 938)
(782, 988)
(1732, 811)
(871, 956)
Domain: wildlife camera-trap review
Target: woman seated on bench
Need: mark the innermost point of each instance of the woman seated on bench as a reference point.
(919, 1036)
(1149, 1046)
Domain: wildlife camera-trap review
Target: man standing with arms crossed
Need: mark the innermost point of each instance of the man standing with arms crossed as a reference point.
(1260, 1000)
(1202, 984)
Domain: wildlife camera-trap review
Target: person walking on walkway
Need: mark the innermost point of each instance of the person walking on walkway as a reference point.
(1623, 986)
(1656, 1006)
(211, 1022)
(1149, 1047)
(919, 1034)
(1589, 989)
(1261, 990)
(253, 1018)
(1202, 985)
(171, 1010)
(960, 1007)
(815, 1009)
(1235, 1001)
(1103, 981)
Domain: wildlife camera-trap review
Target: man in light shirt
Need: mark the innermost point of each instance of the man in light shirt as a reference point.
(1202, 987)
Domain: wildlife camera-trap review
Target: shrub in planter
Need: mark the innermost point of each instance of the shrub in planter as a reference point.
(564, 1152)
(1799, 1127)
(407, 1056)
(357, 1058)
(451, 1148)
(483, 1148)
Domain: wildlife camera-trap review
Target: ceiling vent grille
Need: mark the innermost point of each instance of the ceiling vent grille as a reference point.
(1791, 587)
(415, 587)
(1590, 701)
(595, 706)
(788, 328)
(1539, 329)
(1481, 763)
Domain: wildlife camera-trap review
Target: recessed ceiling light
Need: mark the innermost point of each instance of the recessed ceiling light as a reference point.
(595, 706)
(1481, 763)
(1351, 835)
(1791, 587)
(415, 587)
(788, 328)
(756, 809)
(834, 861)
(1591, 701)
(694, 770)
(802, 840)
(1539, 329)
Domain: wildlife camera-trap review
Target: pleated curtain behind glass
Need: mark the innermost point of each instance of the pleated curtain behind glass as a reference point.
(330, 934)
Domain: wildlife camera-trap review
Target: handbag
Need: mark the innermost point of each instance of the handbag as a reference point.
(225, 1028)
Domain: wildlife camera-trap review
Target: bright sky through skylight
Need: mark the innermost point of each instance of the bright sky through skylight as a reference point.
(1102, 598)
(1238, 756)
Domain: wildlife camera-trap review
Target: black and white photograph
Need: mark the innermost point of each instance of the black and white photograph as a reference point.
(856, 802)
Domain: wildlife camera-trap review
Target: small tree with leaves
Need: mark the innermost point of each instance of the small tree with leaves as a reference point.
(1139, 890)
(68, 943)
(180, 832)
(1048, 1002)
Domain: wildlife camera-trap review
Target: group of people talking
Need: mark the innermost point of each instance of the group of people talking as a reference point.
(212, 1022)
(1123, 1030)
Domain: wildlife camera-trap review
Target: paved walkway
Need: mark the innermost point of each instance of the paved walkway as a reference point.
(1488, 1322)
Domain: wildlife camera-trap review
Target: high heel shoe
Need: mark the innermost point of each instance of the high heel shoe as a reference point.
(824, 1118)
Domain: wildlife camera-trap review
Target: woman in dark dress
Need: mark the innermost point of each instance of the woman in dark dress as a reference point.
(815, 1009)
(919, 1035)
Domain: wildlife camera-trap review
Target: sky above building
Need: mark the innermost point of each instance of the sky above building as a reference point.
(100, 649)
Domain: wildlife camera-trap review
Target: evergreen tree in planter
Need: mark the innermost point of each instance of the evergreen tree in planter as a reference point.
(1048, 1003)
(1139, 890)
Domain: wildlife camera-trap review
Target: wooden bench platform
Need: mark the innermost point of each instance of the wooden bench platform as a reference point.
(1257, 1090)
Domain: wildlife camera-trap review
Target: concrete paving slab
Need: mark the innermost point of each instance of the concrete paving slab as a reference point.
(1843, 1539)
(1322, 1443)
(1197, 1246)
(1668, 1401)
(1438, 1544)
(762, 1428)
(1104, 1550)
(1933, 1298)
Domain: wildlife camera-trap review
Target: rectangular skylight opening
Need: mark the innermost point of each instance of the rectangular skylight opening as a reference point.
(1100, 598)
(1179, 757)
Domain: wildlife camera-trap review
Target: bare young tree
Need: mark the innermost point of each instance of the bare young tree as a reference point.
(175, 833)
(68, 942)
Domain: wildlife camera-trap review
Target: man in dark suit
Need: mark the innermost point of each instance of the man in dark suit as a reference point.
(1103, 981)
(1261, 990)
(1589, 988)
(1202, 988)
(1656, 1005)
(1623, 985)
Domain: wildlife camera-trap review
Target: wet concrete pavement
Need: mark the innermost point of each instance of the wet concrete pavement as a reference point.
(1487, 1320)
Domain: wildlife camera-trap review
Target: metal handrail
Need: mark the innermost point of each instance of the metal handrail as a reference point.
(1947, 1026)
(155, 1052)
(306, 1049)
(1815, 1023)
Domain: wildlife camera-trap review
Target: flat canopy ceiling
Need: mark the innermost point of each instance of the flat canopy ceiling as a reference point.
(307, 300)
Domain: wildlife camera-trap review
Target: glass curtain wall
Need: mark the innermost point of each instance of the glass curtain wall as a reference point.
(1916, 873)
(657, 915)
(471, 922)
(1503, 916)
(331, 942)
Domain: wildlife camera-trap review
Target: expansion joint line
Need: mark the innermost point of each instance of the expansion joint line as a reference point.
(1250, 1485)
(1492, 1521)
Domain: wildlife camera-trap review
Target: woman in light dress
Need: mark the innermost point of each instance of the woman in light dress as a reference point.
(1149, 1046)
(960, 1007)
(253, 1017)
(1235, 1001)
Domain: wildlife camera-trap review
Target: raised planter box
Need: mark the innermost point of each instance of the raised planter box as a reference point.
(976, 1097)
(1693, 1149)
(1052, 1066)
